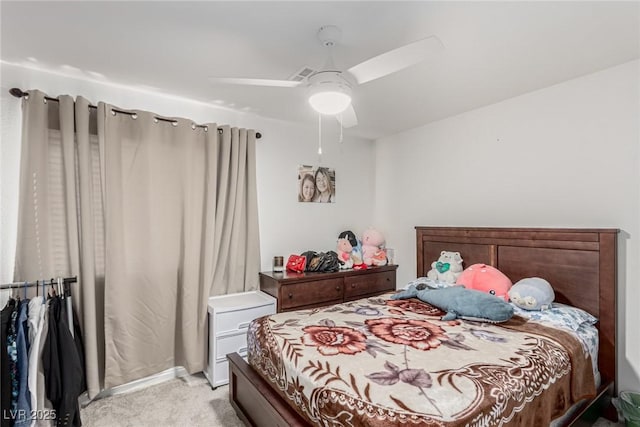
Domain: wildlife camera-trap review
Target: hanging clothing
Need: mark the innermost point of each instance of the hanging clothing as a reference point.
(77, 339)
(24, 325)
(6, 420)
(63, 369)
(38, 317)
(13, 358)
(23, 416)
(34, 318)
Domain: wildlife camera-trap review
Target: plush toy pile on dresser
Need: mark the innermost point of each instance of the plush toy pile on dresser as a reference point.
(360, 254)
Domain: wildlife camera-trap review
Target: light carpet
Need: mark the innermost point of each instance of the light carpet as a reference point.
(178, 402)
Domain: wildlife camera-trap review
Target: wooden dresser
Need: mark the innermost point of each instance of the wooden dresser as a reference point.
(306, 290)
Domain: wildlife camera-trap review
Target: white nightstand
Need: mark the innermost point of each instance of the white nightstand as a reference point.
(229, 317)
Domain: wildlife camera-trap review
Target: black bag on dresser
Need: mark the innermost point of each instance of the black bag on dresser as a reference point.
(324, 262)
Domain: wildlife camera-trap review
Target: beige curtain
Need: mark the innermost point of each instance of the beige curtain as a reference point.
(60, 229)
(158, 215)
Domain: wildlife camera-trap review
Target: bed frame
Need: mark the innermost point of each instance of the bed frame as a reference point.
(579, 263)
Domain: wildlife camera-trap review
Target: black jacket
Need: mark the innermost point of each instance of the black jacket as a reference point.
(5, 379)
(63, 366)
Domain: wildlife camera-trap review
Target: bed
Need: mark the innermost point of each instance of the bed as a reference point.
(388, 388)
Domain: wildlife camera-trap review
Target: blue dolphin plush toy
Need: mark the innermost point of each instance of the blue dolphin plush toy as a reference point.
(461, 303)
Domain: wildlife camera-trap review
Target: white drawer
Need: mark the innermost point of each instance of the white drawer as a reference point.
(238, 320)
(229, 317)
(231, 344)
(221, 373)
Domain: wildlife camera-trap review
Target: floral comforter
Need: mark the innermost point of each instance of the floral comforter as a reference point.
(380, 362)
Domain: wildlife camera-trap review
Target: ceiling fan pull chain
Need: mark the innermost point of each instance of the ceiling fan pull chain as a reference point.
(320, 138)
(341, 128)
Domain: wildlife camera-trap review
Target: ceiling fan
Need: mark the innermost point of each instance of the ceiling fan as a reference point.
(330, 89)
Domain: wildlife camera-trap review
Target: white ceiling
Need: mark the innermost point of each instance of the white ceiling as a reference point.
(493, 50)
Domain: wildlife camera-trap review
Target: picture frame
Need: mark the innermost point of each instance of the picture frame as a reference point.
(316, 184)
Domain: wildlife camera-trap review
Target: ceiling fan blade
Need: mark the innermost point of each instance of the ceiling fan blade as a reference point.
(254, 82)
(396, 59)
(348, 117)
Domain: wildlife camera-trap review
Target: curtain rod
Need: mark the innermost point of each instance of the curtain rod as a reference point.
(18, 93)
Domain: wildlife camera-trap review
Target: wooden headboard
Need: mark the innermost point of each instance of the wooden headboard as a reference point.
(580, 264)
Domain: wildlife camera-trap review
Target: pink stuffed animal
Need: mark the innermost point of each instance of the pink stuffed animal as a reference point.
(373, 252)
(487, 279)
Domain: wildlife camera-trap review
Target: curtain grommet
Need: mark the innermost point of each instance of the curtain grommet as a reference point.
(193, 126)
(113, 113)
(155, 120)
(206, 128)
(174, 123)
(134, 116)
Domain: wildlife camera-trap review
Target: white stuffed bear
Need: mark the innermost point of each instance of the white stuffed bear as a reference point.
(447, 268)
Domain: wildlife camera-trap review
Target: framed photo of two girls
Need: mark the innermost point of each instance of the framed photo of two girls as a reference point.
(316, 184)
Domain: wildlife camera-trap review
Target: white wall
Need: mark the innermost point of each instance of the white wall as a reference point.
(286, 226)
(9, 169)
(564, 156)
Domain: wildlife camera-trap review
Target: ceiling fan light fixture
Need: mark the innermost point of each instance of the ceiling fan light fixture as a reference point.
(329, 93)
(330, 102)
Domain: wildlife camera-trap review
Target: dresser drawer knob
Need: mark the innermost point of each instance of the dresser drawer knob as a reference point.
(353, 285)
(337, 288)
(290, 295)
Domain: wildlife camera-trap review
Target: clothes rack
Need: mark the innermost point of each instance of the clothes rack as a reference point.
(20, 285)
(63, 289)
(43, 355)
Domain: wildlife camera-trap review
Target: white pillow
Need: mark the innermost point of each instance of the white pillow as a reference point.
(560, 315)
